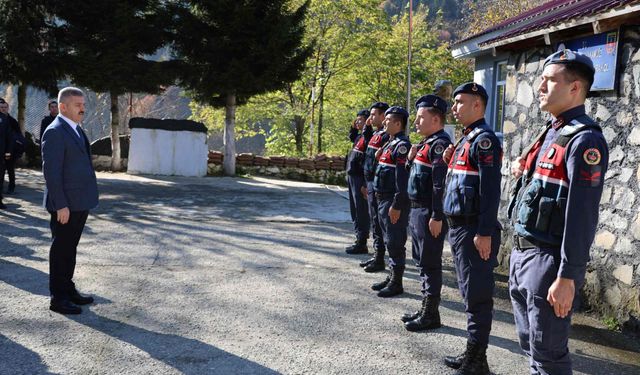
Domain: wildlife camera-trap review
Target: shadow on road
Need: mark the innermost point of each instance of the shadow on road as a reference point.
(189, 356)
(26, 278)
(16, 359)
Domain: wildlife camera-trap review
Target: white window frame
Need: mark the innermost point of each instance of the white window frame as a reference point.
(497, 83)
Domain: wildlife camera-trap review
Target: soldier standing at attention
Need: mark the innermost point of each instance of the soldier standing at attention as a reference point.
(379, 138)
(390, 186)
(471, 204)
(555, 213)
(359, 209)
(426, 220)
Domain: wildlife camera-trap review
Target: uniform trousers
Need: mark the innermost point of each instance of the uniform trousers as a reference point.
(475, 279)
(543, 336)
(427, 250)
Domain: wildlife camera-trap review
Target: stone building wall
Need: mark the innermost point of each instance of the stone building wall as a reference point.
(612, 285)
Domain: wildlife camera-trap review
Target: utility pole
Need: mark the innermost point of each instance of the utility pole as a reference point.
(409, 59)
(313, 108)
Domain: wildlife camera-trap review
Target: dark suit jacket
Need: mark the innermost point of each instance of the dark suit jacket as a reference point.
(68, 172)
(44, 123)
(6, 140)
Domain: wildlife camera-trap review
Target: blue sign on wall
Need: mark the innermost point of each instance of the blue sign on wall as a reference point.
(603, 51)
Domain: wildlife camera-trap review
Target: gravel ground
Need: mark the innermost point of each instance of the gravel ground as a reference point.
(234, 276)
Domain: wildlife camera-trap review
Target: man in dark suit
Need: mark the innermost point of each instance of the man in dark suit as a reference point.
(16, 153)
(6, 146)
(71, 191)
(47, 120)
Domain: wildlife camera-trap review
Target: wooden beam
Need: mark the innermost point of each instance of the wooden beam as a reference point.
(596, 27)
(547, 39)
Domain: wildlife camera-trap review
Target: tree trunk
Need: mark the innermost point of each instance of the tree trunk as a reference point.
(22, 101)
(298, 123)
(229, 162)
(320, 120)
(116, 161)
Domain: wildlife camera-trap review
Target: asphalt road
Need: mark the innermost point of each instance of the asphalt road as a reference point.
(234, 276)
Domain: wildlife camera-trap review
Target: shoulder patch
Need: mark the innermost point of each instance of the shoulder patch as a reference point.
(592, 156)
(438, 149)
(402, 149)
(484, 143)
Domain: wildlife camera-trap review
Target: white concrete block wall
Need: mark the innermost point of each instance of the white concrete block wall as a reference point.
(163, 152)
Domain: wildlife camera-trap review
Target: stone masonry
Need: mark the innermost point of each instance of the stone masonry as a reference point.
(612, 286)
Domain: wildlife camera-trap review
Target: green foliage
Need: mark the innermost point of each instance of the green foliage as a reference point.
(450, 9)
(29, 52)
(242, 48)
(612, 323)
(108, 42)
(480, 15)
(359, 56)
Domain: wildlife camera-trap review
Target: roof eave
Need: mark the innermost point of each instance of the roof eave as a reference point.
(559, 27)
(471, 48)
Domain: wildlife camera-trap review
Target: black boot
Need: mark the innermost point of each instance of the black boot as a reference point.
(377, 264)
(475, 362)
(430, 317)
(381, 285)
(359, 247)
(365, 263)
(394, 287)
(456, 361)
(407, 317)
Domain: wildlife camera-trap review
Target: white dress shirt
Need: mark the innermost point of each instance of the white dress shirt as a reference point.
(73, 124)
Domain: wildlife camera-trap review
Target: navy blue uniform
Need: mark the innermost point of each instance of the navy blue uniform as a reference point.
(378, 140)
(426, 189)
(355, 178)
(555, 215)
(390, 186)
(471, 205)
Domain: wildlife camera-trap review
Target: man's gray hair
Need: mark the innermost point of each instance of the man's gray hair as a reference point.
(67, 92)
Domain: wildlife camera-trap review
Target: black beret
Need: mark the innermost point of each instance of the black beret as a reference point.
(568, 56)
(471, 88)
(432, 101)
(380, 105)
(396, 110)
(363, 112)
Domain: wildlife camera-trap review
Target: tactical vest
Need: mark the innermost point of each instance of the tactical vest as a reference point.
(420, 187)
(385, 176)
(356, 156)
(370, 162)
(463, 181)
(538, 209)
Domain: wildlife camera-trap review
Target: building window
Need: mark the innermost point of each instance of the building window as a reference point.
(498, 98)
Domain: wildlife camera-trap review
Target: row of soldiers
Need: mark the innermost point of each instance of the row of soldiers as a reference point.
(437, 188)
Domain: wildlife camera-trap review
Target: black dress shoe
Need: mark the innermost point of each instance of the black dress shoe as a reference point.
(79, 299)
(64, 306)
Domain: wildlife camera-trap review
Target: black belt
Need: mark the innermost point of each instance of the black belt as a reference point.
(381, 196)
(521, 244)
(418, 204)
(458, 221)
